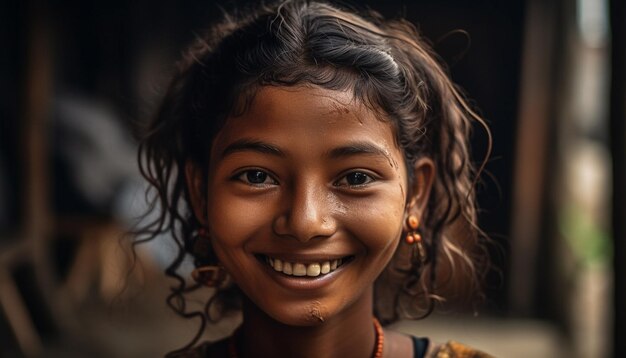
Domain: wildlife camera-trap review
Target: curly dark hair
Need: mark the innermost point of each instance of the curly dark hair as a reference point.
(387, 66)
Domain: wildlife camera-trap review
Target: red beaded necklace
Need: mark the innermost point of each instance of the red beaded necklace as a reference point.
(378, 351)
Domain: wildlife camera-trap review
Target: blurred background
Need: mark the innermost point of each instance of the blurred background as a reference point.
(77, 76)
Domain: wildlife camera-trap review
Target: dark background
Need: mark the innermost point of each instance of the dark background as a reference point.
(121, 53)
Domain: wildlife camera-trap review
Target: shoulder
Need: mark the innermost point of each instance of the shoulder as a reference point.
(453, 349)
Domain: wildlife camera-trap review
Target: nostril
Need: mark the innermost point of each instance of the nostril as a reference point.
(307, 214)
(279, 226)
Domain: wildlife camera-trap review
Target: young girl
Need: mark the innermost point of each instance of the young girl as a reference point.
(315, 164)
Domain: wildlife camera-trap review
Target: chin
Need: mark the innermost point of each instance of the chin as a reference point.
(298, 314)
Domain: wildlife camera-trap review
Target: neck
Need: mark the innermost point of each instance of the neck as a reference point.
(348, 334)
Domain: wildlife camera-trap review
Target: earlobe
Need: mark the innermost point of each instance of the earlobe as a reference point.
(194, 181)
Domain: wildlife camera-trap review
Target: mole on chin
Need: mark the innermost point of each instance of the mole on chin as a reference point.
(315, 313)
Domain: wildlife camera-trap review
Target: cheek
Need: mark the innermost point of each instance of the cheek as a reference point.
(234, 220)
(378, 222)
(385, 233)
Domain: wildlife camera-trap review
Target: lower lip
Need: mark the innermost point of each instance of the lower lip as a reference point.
(305, 283)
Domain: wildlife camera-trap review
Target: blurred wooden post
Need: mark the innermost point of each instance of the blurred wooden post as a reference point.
(536, 108)
(38, 215)
(618, 149)
(36, 110)
(31, 245)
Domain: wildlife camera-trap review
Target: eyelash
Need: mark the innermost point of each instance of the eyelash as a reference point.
(244, 177)
(369, 178)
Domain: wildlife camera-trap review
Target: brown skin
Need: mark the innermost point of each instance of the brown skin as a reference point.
(302, 147)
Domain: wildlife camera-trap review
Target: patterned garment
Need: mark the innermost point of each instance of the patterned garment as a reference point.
(457, 350)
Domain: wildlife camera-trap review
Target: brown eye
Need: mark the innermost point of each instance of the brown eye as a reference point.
(355, 179)
(256, 177)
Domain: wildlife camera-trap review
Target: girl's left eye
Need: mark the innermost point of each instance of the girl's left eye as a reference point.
(355, 179)
(256, 177)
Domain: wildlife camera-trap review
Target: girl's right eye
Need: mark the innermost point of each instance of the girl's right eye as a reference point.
(256, 177)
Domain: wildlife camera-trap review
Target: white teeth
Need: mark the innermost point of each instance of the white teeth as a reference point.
(325, 267)
(313, 270)
(278, 265)
(300, 269)
(287, 268)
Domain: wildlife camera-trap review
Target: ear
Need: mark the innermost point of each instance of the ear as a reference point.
(423, 177)
(194, 180)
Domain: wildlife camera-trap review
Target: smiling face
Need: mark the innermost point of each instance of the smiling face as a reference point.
(306, 199)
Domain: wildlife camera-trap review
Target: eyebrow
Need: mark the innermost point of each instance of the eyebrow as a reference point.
(245, 144)
(351, 149)
(357, 148)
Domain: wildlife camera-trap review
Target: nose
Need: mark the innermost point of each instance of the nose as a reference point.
(308, 214)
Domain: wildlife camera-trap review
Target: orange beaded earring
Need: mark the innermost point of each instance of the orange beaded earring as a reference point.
(414, 238)
(208, 275)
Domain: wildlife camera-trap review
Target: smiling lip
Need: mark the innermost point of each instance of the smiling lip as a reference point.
(296, 268)
(303, 274)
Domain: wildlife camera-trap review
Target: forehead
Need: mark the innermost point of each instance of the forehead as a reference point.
(308, 116)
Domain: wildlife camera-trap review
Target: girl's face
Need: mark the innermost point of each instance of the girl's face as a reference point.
(306, 200)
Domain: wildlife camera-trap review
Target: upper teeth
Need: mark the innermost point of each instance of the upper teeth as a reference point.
(300, 269)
